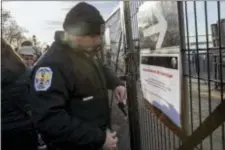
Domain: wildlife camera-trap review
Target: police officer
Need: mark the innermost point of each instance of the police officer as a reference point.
(71, 83)
(17, 128)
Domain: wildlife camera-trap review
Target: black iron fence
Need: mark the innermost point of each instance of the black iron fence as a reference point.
(203, 64)
(203, 106)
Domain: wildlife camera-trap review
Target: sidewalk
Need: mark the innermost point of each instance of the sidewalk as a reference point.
(204, 90)
(120, 125)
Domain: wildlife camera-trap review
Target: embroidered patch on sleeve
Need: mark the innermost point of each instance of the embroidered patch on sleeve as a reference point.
(43, 79)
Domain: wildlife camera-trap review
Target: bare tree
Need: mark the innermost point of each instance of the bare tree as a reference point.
(20, 38)
(11, 31)
(5, 17)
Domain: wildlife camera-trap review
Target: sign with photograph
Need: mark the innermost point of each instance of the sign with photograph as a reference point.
(160, 66)
(160, 80)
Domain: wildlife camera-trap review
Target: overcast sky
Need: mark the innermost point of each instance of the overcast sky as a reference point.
(43, 18)
(212, 15)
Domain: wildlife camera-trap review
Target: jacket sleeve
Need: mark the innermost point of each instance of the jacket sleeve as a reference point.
(112, 80)
(50, 115)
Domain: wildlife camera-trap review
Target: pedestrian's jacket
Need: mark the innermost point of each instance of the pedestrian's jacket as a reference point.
(71, 108)
(14, 101)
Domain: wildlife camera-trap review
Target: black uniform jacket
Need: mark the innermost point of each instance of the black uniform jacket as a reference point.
(71, 107)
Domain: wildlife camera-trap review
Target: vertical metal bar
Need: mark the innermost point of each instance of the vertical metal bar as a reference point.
(198, 67)
(174, 141)
(144, 135)
(189, 66)
(165, 137)
(143, 126)
(208, 68)
(154, 133)
(180, 142)
(129, 102)
(221, 70)
(149, 135)
(131, 86)
(146, 126)
(161, 136)
(145, 132)
(169, 139)
(215, 74)
(220, 51)
(158, 135)
(184, 90)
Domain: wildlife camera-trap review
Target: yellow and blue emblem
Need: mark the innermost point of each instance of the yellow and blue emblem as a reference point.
(43, 79)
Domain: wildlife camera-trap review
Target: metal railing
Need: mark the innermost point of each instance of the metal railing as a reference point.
(203, 72)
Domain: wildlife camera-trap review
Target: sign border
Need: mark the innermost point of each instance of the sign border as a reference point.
(179, 131)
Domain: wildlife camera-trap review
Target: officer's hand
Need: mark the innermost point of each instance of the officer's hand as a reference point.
(121, 94)
(110, 141)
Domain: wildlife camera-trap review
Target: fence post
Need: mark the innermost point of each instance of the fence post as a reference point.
(222, 26)
(184, 95)
(131, 81)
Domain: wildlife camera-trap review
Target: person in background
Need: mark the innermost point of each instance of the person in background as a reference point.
(28, 53)
(26, 43)
(72, 84)
(17, 128)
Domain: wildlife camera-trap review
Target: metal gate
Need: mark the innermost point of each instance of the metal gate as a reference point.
(202, 45)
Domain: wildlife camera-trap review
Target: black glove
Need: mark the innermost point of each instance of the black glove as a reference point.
(122, 108)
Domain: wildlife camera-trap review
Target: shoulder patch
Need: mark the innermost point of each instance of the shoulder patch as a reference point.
(43, 79)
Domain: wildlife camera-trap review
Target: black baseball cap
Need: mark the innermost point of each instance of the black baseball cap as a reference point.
(84, 19)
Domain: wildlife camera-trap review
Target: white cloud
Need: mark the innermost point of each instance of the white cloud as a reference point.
(43, 18)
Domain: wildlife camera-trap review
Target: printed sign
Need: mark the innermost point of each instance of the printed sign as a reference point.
(160, 80)
(160, 67)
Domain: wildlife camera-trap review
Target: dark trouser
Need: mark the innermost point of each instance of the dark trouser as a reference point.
(19, 140)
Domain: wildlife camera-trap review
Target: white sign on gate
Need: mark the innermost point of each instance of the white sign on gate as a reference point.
(160, 66)
(160, 80)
